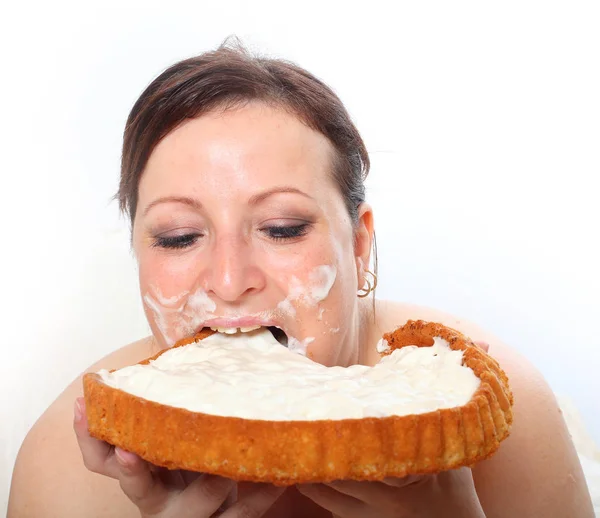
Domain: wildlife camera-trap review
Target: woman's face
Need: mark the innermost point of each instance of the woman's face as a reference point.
(239, 223)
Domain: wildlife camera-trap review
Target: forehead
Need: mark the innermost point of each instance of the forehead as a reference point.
(255, 143)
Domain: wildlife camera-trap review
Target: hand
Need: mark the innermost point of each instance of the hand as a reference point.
(162, 493)
(450, 494)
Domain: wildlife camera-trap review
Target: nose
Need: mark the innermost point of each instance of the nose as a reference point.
(233, 271)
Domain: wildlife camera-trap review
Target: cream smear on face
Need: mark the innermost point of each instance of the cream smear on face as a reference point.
(299, 346)
(320, 282)
(209, 376)
(180, 315)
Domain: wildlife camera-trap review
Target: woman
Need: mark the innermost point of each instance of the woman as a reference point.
(243, 178)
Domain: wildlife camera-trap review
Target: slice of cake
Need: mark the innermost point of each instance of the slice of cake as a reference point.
(245, 407)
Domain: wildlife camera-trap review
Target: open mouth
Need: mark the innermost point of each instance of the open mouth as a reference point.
(277, 332)
(279, 335)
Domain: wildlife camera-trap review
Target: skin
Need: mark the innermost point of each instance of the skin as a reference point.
(234, 181)
(231, 167)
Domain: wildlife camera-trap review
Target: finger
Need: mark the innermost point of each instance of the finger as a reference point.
(334, 501)
(98, 456)
(204, 496)
(172, 479)
(190, 476)
(372, 493)
(229, 501)
(141, 485)
(255, 503)
(404, 481)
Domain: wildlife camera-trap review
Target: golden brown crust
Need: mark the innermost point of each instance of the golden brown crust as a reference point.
(292, 452)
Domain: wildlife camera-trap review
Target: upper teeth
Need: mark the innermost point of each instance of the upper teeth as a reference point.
(233, 330)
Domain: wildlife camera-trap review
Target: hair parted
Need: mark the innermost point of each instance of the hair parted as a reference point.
(228, 77)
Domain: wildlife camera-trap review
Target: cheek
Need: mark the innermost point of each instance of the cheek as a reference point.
(171, 276)
(166, 284)
(335, 312)
(323, 295)
(332, 320)
(317, 274)
(342, 252)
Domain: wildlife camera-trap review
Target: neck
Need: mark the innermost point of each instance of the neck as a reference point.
(367, 353)
(366, 310)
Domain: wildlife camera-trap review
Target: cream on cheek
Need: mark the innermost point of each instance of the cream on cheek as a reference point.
(309, 294)
(316, 289)
(181, 315)
(334, 282)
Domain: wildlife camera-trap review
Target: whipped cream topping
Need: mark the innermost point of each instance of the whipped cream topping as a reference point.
(251, 376)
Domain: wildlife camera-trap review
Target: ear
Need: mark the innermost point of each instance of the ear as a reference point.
(363, 241)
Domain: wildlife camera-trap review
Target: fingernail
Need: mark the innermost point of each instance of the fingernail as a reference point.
(124, 457)
(78, 410)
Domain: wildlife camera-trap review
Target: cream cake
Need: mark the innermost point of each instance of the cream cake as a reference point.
(280, 385)
(243, 406)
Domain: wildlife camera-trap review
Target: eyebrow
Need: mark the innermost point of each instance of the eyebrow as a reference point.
(254, 200)
(195, 204)
(261, 196)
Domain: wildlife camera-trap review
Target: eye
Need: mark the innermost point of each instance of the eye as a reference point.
(176, 242)
(279, 233)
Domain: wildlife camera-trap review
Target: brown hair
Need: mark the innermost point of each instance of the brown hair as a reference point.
(228, 77)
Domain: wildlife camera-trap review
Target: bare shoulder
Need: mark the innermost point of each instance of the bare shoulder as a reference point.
(49, 478)
(536, 471)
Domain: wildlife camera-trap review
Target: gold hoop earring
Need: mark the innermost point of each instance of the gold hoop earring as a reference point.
(363, 292)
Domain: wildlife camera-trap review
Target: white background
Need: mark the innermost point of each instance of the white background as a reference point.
(483, 126)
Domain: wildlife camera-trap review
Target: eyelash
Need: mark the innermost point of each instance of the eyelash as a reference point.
(277, 233)
(286, 232)
(175, 242)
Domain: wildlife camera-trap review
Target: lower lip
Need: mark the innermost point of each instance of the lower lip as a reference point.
(237, 323)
